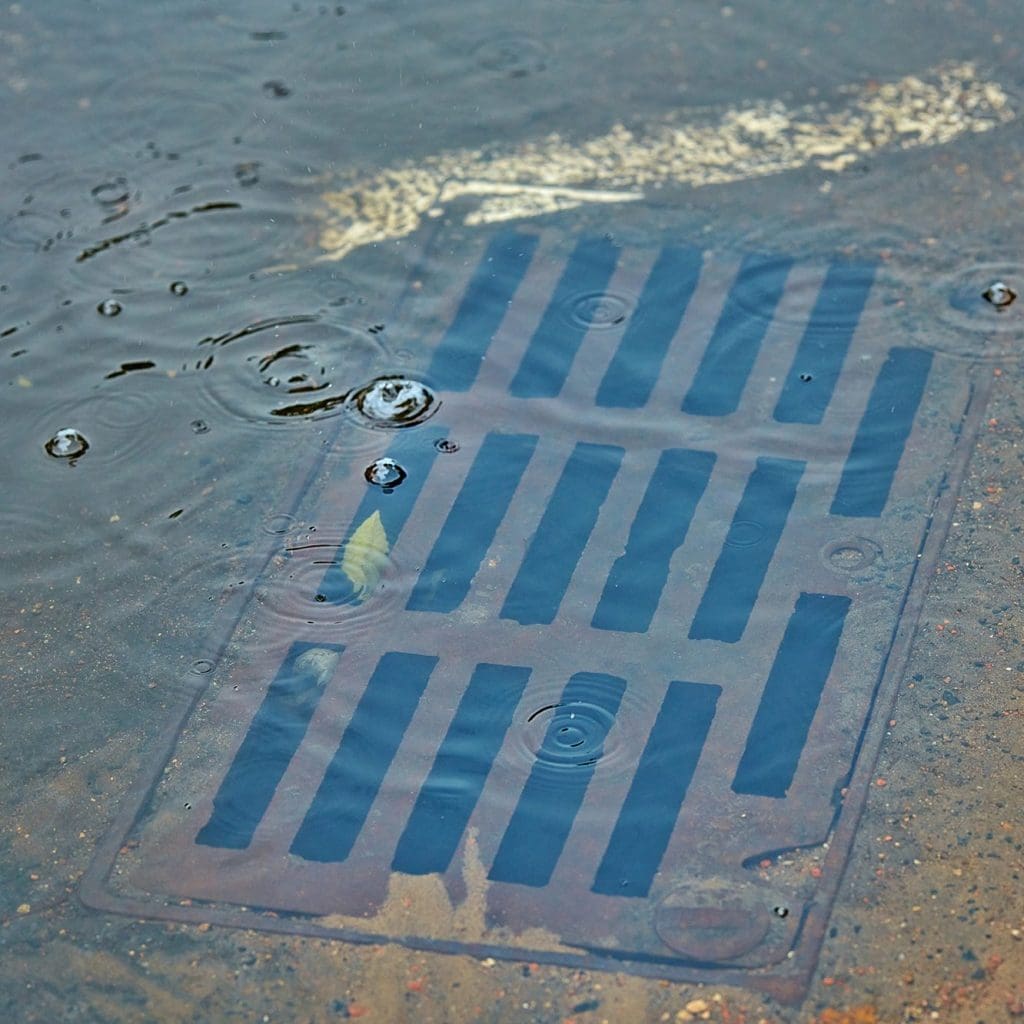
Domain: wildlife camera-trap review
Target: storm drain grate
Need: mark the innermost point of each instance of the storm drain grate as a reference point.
(593, 682)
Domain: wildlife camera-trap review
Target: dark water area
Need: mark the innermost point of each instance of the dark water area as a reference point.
(467, 472)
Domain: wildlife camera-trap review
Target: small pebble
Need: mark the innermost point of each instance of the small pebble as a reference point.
(24, 908)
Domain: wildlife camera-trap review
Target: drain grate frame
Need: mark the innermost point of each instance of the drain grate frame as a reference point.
(587, 447)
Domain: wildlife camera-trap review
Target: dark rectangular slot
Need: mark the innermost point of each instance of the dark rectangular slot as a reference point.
(457, 358)
(551, 798)
(882, 435)
(634, 585)
(822, 350)
(274, 735)
(747, 552)
(457, 778)
(564, 529)
(368, 746)
(472, 522)
(559, 334)
(636, 365)
(648, 817)
(415, 454)
(791, 696)
(736, 342)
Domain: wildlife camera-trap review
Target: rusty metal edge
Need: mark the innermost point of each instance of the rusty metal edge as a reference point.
(876, 722)
(787, 982)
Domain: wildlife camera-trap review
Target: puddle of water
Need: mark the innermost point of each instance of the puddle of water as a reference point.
(591, 635)
(588, 663)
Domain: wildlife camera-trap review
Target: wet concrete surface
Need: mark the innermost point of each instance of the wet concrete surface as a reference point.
(929, 920)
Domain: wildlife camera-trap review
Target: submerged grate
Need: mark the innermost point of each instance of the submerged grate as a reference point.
(594, 682)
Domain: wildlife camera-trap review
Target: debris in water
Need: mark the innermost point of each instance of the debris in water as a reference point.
(366, 555)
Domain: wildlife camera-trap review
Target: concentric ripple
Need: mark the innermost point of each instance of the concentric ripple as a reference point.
(36, 230)
(562, 738)
(599, 310)
(284, 369)
(181, 109)
(119, 427)
(290, 591)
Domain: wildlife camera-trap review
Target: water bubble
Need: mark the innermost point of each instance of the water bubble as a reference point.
(179, 288)
(199, 426)
(395, 401)
(385, 473)
(446, 446)
(67, 443)
(999, 294)
(109, 307)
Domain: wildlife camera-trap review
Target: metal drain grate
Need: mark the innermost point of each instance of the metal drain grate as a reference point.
(594, 684)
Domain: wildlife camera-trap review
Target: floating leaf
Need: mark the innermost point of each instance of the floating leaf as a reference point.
(366, 555)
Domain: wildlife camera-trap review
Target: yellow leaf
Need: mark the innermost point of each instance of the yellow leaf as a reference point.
(366, 555)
